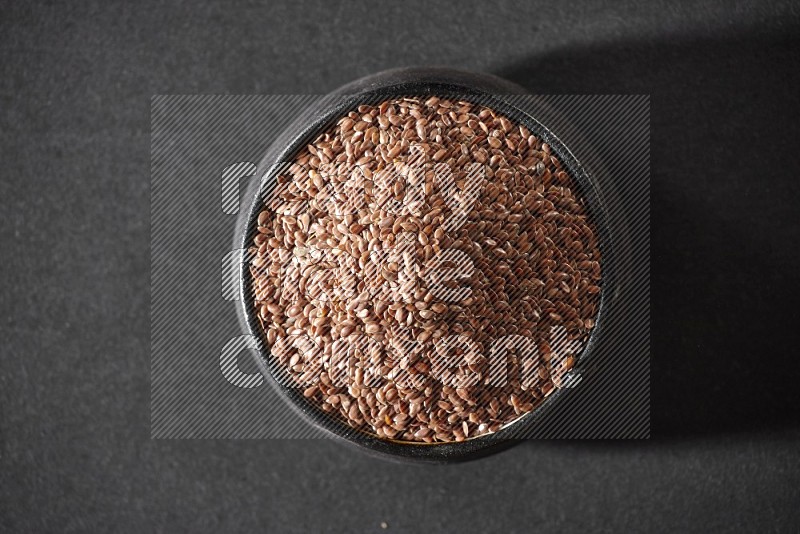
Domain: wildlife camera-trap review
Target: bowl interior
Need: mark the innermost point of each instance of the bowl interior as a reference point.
(311, 124)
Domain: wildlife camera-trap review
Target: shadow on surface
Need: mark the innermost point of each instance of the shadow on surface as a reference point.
(724, 235)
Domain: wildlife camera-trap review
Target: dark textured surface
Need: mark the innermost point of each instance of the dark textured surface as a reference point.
(74, 332)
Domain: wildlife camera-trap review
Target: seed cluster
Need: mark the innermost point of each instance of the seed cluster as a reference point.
(410, 248)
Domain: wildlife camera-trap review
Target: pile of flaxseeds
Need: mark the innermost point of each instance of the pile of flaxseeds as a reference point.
(425, 270)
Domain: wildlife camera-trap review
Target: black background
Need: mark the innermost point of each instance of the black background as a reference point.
(75, 85)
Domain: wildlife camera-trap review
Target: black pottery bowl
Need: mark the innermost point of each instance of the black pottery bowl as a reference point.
(491, 91)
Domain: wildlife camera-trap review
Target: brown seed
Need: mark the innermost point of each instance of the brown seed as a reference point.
(372, 328)
(439, 307)
(346, 124)
(423, 432)
(440, 154)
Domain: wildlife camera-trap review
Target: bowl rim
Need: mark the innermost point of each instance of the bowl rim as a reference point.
(487, 90)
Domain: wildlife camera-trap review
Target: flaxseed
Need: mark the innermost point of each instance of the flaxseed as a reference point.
(426, 270)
